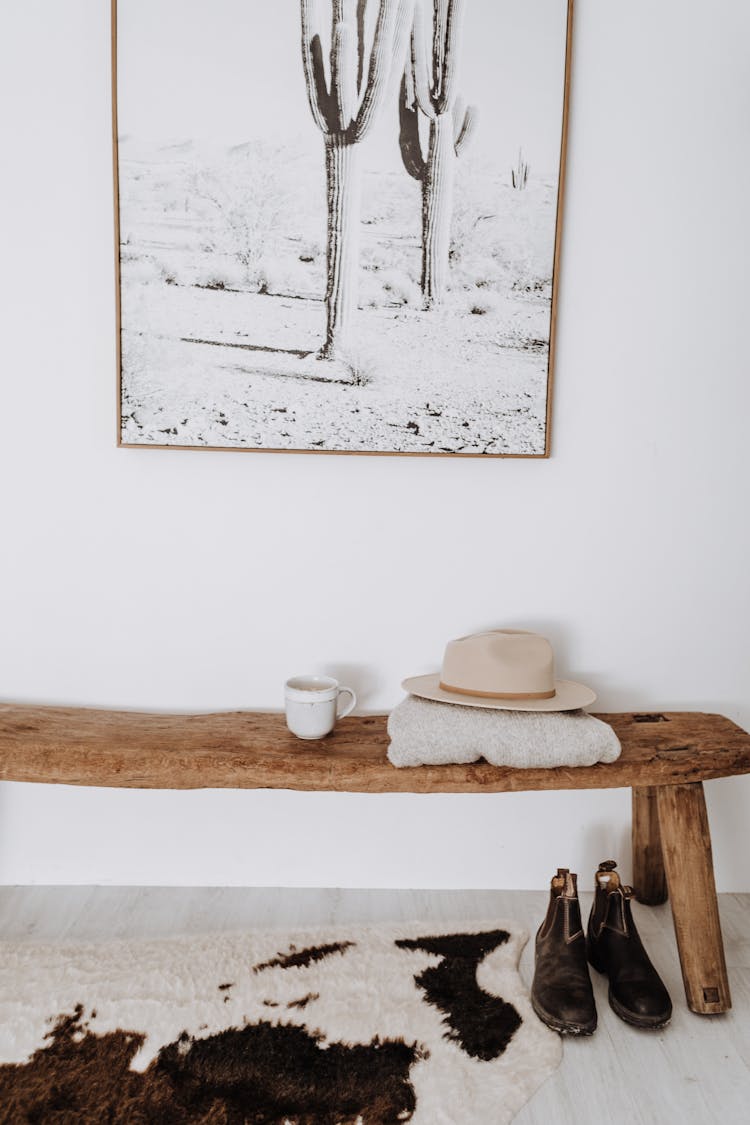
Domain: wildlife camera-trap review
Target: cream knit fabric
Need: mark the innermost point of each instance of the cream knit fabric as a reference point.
(426, 733)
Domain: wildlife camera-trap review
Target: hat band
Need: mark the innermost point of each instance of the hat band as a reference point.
(500, 694)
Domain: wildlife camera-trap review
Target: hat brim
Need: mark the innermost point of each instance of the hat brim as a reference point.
(569, 696)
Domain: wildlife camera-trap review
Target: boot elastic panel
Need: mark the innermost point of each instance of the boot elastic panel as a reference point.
(615, 917)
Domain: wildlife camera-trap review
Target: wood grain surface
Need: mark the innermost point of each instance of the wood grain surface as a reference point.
(254, 750)
(688, 862)
(649, 879)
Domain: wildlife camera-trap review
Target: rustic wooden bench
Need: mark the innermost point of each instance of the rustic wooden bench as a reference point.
(665, 759)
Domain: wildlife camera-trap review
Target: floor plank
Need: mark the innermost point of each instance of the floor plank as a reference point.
(696, 1071)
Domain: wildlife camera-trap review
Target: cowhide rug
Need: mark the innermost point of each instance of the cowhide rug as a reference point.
(427, 1023)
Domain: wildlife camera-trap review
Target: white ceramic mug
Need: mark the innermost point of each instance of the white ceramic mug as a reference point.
(312, 705)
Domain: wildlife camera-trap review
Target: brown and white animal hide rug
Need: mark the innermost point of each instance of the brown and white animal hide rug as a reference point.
(420, 1023)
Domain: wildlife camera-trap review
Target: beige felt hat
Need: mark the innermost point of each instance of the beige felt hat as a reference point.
(507, 669)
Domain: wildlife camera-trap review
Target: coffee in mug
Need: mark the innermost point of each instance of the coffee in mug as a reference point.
(312, 705)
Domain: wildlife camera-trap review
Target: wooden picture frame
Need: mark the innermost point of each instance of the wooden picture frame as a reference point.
(367, 271)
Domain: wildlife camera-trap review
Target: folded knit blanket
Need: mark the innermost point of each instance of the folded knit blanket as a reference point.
(426, 733)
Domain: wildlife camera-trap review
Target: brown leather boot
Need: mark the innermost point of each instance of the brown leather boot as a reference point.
(636, 991)
(561, 993)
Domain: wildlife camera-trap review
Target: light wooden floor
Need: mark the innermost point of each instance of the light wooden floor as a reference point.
(696, 1071)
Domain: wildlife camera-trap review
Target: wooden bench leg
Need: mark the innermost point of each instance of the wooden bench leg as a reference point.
(686, 850)
(649, 880)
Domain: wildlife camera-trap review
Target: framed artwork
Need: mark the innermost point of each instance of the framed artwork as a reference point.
(338, 223)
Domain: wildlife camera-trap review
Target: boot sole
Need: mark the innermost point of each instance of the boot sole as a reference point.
(562, 1026)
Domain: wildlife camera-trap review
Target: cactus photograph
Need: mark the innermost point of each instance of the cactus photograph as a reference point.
(338, 223)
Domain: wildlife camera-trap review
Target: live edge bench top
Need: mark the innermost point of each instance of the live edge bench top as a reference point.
(254, 750)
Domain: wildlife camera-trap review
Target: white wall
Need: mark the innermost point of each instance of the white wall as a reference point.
(198, 580)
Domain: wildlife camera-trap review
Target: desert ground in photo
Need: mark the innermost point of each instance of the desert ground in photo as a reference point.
(223, 275)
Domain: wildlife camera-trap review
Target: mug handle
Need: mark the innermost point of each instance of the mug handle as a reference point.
(350, 706)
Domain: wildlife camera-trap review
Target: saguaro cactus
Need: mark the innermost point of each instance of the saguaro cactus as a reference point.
(520, 174)
(344, 108)
(429, 88)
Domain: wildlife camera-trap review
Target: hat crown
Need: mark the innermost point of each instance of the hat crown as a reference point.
(501, 663)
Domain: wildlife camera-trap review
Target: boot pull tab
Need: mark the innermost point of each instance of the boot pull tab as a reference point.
(571, 885)
(606, 877)
(557, 886)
